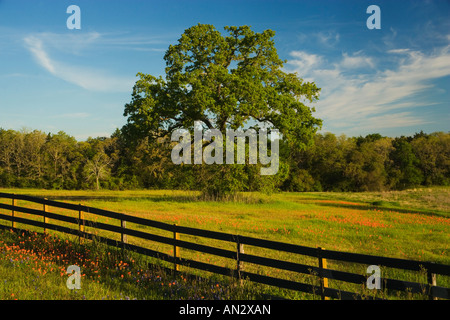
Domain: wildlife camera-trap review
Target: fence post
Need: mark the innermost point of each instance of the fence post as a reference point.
(80, 223)
(239, 251)
(176, 249)
(14, 203)
(323, 280)
(431, 278)
(123, 237)
(44, 209)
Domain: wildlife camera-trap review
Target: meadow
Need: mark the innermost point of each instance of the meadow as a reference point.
(410, 224)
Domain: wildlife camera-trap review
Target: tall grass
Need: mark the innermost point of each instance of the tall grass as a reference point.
(401, 225)
(33, 266)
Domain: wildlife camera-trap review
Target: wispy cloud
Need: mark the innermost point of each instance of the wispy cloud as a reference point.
(77, 43)
(389, 38)
(36, 47)
(86, 77)
(325, 39)
(329, 38)
(77, 115)
(387, 121)
(382, 98)
(356, 61)
(67, 43)
(136, 41)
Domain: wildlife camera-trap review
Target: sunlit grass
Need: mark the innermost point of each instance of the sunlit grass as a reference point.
(368, 223)
(33, 266)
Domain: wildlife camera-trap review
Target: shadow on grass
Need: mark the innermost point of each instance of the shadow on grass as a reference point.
(173, 198)
(383, 206)
(184, 198)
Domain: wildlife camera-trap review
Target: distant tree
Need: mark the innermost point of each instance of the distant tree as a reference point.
(7, 177)
(97, 168)
(101, 153)
(151, 162)
(433, 153)
(329, 160)
(404, 171)
(367, 164)
(33, 158)
(60, 150)
(368, 138)
(18, 153)
(6, 149)
(323, 166)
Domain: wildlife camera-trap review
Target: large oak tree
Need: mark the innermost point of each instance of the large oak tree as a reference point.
(232, 81)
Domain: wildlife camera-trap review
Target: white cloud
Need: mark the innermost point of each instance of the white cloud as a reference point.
(36, 48)
(376, 99)
(87, 78)
(77, 115)
(67, 43)
(329, 38)
(305, 62)
(395, 120)
(389, 38)
(323, 39)
(398, 51)
(356, 61)
(77, 43)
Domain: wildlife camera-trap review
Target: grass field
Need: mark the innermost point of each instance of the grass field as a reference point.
(410, 224)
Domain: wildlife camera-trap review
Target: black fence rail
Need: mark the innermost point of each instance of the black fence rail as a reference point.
(431, 289)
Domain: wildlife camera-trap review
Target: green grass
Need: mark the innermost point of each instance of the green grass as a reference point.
(33, 266)
(410, 224)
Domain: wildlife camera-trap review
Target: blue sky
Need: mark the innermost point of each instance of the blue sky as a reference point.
(394, 81)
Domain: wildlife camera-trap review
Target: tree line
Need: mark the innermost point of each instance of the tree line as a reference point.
(332, 163)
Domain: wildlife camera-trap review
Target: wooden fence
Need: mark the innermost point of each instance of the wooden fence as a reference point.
(238, 255)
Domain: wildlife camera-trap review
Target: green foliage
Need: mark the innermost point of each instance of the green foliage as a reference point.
(38, 160)
(371, 163)
(404, 169)
(226, 82)
(230, 81)
(433, 153)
